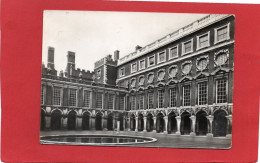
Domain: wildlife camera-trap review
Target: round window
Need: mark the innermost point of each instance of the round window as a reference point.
(202, 64)
(141, 80)
(161, 75)
(221, 59)
(173, 71)
(186, 68)
(150, 78)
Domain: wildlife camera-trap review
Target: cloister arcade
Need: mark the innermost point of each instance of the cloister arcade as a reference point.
(184, 122)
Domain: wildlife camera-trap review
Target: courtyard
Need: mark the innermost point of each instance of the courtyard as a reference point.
(163, 140)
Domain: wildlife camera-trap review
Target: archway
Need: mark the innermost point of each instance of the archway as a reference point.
(149, 123)
(140, 122)
(110, 123)
(98, 121)
(56, 120)
(172, 123)
(85, 121)
(72, 117)
(42, 120)
(160, 123)
(201, 126)
(219, 123)
(185, 123)
(132, 122)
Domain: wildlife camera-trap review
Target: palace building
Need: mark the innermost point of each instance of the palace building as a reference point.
(180, 84)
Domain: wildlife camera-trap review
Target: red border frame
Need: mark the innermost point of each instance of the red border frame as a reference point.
(21, 26)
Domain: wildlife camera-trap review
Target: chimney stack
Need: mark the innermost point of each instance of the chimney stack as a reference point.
(70, 63)
(116, 55)
(50, 63)
(137, 47)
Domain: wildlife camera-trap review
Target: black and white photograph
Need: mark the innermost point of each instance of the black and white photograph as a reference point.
(137, 79)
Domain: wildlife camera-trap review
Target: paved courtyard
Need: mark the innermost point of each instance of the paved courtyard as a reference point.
(163, 140)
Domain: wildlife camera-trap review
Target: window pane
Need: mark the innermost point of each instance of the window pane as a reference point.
(99, 100)
(150, 100)
(160, 98)
(202, 93)
(161, 57)
(87, 98)
(173, 52)
(151, 60)
(221, 91)
(142, 66)
(173, 95)
(121, 103)
(42, 95)
(56, 96)
(203, 41)
(187, 47)
(186, 95)
(73, 97)
(132, 103)
(222, 33)
(141, 102)
(111, 101)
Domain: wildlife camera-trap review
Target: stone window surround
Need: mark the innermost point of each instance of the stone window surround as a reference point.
(198, 37)
(183, 52)
(228, 33)
(176, 46)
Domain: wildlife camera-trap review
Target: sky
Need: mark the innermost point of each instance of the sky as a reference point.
(93, 35)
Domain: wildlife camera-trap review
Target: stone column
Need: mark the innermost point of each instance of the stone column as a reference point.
(178, 119)
(114, 123)
(136, 124)
(129, 124)
(124, 127)
(79, 123)
(118, 126)
(154, 124)
(92, 123)
(104, 124)
(229, 127)
(210, 118)
(47, 122)
(166, 124)
(145, 119)
(193, 119)
(64, 122)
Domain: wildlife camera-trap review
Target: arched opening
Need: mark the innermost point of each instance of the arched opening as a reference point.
(140, 122)
(42, 120)
(72, 117)
(219, 123)
(149, 123)
(110, 123)
(160, 123)
(56, 120)
(132, 122)
(201, 126)
(185, 123)
(172, 123)
(98, 121)
(85, 121)
(121, 120)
